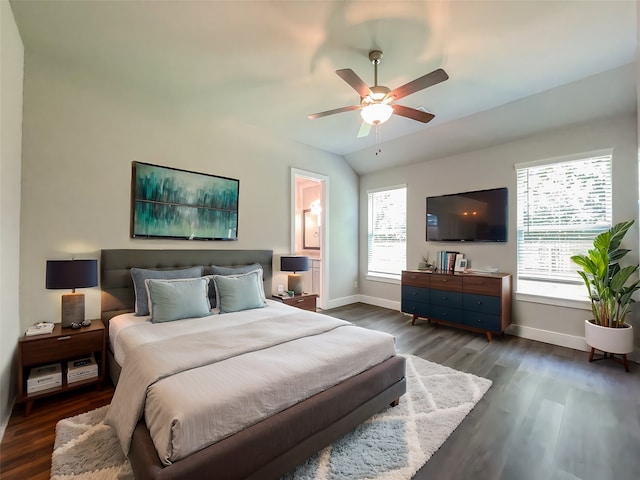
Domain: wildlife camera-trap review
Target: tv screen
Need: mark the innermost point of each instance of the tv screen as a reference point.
(479, 216)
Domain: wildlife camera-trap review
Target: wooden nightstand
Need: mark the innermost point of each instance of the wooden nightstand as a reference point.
(60, 346)
(306, 301)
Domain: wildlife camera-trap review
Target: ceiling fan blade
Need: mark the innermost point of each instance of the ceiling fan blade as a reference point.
(365, 128)
(420, 83)
(355, 81)
(335, 110)
(413, 113)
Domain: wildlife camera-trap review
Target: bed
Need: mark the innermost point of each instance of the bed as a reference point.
(263, 447)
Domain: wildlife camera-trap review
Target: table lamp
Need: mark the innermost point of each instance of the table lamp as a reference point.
(294, 263)
(72, 274)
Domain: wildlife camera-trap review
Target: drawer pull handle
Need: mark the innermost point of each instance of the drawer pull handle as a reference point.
(300, 301)
(414, 293)
(64, 338)
(479, 302)
(444, 280)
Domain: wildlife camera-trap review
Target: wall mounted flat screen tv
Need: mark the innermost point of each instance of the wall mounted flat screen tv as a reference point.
(479, 216)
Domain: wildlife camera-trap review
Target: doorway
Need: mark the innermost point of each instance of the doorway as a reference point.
(309, 227)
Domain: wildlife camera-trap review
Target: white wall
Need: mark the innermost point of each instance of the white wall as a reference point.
(494, 167)
(81, 135)
(12, 61)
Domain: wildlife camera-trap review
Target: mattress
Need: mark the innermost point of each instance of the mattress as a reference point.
(242, 385)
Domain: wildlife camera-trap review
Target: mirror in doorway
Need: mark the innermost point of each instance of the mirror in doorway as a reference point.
(310, 231)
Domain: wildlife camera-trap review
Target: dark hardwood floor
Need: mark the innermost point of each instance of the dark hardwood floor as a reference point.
(27, 444)
(550, 415)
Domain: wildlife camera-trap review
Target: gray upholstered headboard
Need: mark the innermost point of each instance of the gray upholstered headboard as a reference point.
(117, 287)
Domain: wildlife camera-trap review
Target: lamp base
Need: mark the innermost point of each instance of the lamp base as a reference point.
(72, 309)
(294, 282)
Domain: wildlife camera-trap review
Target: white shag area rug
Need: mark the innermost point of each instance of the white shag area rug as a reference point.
(392, 445)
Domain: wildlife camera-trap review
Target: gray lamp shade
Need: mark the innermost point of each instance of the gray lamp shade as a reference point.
(294, 263)
(71, 274)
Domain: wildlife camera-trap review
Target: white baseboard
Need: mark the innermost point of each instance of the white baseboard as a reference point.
(341, 302)
(547, 336)
(379, 302)
(5, 421)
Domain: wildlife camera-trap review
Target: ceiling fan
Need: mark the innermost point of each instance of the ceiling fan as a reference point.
(377, 102)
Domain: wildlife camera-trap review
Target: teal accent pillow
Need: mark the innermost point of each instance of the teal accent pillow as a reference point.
(139, 275)
(171, 300)
(236, 270)
(239, 292)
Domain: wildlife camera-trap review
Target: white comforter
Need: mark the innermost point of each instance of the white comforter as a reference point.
(198, 388)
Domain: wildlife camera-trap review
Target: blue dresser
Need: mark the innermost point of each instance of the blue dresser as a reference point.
(474, 302)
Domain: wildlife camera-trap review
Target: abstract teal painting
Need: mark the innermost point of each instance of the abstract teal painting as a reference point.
(173, 203)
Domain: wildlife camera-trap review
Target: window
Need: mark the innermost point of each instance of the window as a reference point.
(387, 232)
(562, 205)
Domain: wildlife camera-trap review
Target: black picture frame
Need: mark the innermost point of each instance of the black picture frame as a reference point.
(169, 202)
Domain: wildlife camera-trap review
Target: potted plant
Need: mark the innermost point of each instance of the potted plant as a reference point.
(610, 289)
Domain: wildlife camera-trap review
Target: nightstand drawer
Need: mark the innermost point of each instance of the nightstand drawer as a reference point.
(61, 347)
(305, 302)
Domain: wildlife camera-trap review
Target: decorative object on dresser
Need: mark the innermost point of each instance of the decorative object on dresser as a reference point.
(610, 289)
(295, 264)
(481, 303)
(305, 301)
(72, 274)
(60, 348)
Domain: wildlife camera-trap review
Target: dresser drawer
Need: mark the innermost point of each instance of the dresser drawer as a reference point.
(416, 279)
(446, 299)
(453, 315)
(483, 285)
(415, 294)
(446, 282)
(61, 347)
(418, 309)
(481, 303)
(481, 320)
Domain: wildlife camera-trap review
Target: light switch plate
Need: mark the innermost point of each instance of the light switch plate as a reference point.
(280, 288)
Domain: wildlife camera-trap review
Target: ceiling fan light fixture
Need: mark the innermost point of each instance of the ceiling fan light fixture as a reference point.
(376, 113)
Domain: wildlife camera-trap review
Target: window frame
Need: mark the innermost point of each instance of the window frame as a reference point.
(379, 275)
(567, 293)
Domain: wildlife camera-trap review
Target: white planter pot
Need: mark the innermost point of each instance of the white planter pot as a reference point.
(606, 339)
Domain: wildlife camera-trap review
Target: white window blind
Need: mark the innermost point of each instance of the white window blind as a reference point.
(561, 207)
(387, 232)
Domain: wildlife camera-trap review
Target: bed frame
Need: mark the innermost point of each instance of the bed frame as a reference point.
(276, 445)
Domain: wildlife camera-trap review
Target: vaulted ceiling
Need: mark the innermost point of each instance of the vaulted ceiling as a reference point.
(271, 63)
